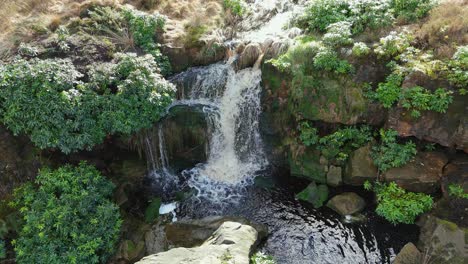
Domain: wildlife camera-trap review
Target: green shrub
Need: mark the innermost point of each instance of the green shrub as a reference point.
(2, 249)
(328, 60)
(339, 144)
(69, 217)
(397, 205)
(338, 34)
(361, 14)
(134, 96)
(388, 92)
(46, 100)
(360, 49)
(262, 258)
(389, 154)
(236, 7)
(457, 191)
(411, 10)
(308, 134)
(458, 73)
(419, 99)
(393, 44)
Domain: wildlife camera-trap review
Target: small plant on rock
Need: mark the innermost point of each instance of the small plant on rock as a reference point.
(398, 205)
(390, 154)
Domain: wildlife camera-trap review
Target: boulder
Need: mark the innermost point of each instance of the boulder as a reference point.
(249, 56)
(346, 203)
(316, 195)
(190, 233)
(360, 167)
(422, 174)
(409, 254)
(230, 242)
(182, 58)
(443, 241)
(307, 165)
(334, 176)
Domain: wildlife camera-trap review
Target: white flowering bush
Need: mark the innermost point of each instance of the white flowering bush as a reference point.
(338, 34)
(360, 49)
(458, 74)
(262, 258)
(25, 49)
(360, 13)
(48, 101)
(394, 44)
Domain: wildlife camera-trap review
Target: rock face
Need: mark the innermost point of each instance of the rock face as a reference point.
(334, 176)
(409, 254)
(443, 240)
(360, 167)
(456, 174)
(316, 195)
(448, 129)
(347, 203)
(230, 242)
(249, 56)
(307, 165)
(18, 161)
(422, 174)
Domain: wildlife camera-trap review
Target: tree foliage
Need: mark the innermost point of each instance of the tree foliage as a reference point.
(69, 217)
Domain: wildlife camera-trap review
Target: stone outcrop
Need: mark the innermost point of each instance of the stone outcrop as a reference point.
(448, 129)
(422, 174)
(334, 176)
(443, 241)
(231, 241)
(409, 254)
(456, 175)
(189, 233)
(347, 203)
(360, 167)
(307, 165)
(249, 56)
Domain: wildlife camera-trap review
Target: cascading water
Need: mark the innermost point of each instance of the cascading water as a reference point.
(230, 103)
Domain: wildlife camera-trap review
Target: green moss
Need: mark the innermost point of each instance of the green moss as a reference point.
(316, 195)
(152, 211)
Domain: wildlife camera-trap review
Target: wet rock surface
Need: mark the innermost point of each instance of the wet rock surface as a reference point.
(347, 203)
(231, 241)
(360, 167)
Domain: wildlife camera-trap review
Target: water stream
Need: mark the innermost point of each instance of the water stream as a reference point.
(231, 103)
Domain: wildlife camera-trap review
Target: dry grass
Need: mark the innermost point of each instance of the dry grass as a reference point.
(445, 28)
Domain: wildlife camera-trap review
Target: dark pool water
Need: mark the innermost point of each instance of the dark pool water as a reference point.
(300, 234)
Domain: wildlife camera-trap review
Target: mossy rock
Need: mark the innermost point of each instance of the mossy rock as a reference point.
(152, 211)
(316, 195)
(307, 165)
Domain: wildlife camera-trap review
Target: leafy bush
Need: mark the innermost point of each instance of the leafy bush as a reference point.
(236, 7)
(328, 60)
(308, 134)
(262, 258)
(419, 99)
(46, 100)
(458, 74)
(360, 49)
(69, 217)
(457, 191)
(2, 249)
(389, 92)
(338, 145)
(338, 34)
(134, 95)
(361, 14)
(410, 10)
(397, 205)
(393, 44)
(389, 154)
